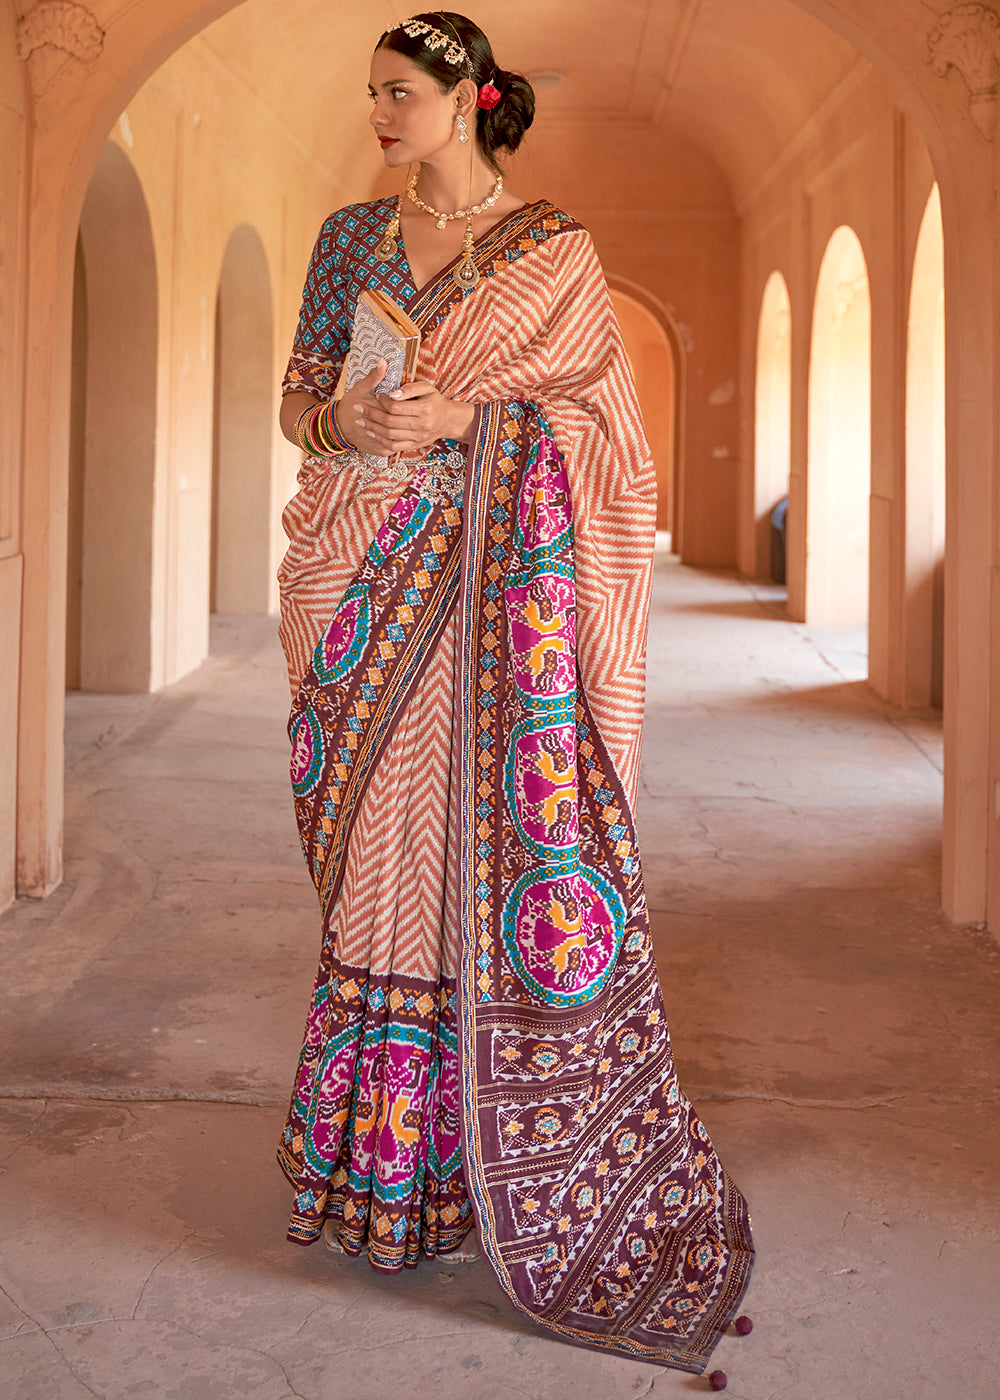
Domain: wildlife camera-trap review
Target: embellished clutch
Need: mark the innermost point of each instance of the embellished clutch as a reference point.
(381, 331)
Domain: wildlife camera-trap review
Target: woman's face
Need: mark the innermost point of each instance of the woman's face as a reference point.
(413, 119)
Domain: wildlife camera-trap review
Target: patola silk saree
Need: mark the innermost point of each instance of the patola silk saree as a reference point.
(487, 1041)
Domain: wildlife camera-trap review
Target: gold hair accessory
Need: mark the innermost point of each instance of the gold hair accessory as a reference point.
(434, 39)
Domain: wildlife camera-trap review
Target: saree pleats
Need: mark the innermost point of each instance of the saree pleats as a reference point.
(373, 1136)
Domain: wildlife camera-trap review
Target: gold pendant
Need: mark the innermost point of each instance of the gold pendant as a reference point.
(466, 274)
(387, 249)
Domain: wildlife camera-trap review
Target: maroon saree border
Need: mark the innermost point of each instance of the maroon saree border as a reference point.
(602, 1207)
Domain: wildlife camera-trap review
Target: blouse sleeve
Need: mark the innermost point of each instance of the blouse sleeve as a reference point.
(323, 337)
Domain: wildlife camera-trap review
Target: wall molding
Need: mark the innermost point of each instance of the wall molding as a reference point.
(967, 38)
(60, 24)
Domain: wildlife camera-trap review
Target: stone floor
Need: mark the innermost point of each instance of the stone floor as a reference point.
(837, 1035)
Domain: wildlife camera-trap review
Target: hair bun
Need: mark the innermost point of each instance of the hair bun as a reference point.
(505, 124)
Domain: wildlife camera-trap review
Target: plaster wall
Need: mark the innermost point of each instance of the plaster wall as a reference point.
(242, 574)
(110, 525)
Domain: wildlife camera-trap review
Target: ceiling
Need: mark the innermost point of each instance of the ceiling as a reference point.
(735, 80)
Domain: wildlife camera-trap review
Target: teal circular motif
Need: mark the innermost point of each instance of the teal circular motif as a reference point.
(307, 752)
(562, 929)
(342, 644)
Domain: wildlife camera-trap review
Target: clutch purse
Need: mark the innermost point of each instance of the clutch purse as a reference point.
(381, 331)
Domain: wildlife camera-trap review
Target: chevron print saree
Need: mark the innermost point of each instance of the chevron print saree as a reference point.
(487, 1039)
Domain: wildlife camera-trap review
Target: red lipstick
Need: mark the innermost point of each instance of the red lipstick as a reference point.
(385, 141)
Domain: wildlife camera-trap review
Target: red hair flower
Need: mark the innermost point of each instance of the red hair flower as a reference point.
(488, 97)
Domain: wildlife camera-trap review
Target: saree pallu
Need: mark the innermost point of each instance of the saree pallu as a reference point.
(536, 1086)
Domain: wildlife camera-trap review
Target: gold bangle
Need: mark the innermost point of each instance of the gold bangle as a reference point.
(297, 429)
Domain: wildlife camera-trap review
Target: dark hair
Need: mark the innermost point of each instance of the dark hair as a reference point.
(504, 126)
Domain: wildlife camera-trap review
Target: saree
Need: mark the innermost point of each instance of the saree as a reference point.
(467, 659)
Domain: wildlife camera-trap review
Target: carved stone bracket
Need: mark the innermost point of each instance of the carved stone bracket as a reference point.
(62, 25)
(967, 38)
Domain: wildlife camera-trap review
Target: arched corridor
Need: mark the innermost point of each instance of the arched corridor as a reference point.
(820, 133)
(797, 207)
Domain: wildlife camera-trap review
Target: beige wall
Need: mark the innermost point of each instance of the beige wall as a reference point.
(703, 145)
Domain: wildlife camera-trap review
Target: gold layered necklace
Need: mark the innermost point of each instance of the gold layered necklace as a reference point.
(442, 220)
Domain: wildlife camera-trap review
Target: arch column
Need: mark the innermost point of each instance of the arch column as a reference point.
(244, 417)
(772, 414)
(14, 116)
(921, 636)
(839, 464)
(971, 845)
(119, 436)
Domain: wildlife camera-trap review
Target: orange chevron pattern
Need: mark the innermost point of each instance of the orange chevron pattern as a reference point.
(539, 326)
(398, 909)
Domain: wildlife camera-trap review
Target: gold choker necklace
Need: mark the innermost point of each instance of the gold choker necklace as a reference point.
(442, 220)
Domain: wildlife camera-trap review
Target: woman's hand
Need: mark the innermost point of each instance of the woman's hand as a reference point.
(360, 397)
(408, 420)
(293, 405)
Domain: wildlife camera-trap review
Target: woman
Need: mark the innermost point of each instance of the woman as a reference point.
(465, 634)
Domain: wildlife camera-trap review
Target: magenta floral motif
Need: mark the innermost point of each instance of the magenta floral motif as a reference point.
(544, 508)
(307, 752)
(341, 633)
(542, 620)
(565, 933)
(395, 522)
(302, 751)
(545, 785)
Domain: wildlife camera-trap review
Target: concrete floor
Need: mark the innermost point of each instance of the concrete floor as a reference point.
(838, 1036)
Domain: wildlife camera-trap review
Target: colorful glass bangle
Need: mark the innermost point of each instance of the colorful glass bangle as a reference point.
(317, 433)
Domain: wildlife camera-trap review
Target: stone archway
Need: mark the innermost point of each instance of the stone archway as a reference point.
(839, 462)
(113, 436)
(242, 430)
(654, 356)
